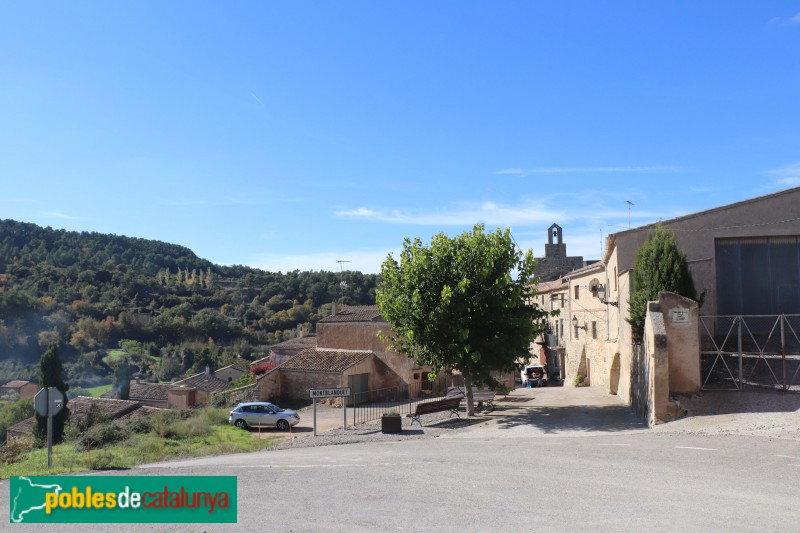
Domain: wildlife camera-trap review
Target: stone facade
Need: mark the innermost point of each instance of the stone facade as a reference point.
(612, 360)
(555, 262)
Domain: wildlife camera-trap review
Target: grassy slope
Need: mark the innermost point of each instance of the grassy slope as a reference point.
(217, 439)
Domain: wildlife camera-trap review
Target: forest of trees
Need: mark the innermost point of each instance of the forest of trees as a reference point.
(89, 291)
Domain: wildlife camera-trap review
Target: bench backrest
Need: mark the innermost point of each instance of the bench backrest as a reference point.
(438, 405)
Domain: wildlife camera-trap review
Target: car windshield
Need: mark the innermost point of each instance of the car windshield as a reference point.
(274, 407)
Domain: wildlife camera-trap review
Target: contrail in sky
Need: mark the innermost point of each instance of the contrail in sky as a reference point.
(257, 99)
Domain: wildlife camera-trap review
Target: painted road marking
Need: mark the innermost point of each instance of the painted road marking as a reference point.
(355, 465)
(613, 444)
(695, 448)
(788, 457)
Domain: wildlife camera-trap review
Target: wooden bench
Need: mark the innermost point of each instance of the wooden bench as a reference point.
(480, 397)
(436, 406)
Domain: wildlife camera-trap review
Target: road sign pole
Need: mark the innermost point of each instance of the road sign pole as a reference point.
(315, 417)
(49, 432)
(344, 410)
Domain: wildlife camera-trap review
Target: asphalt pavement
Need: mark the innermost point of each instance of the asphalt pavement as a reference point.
(556, 459)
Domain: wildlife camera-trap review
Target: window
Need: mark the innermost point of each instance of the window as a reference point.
(577, 294)
(594, 329)
(576, 331)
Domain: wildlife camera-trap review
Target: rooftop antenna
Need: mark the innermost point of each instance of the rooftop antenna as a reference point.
(342, 283)
(629, 212)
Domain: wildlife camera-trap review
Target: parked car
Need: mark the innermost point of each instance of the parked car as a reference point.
(262, 414)
(532, 375)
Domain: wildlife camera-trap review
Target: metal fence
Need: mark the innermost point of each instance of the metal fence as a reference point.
(370, 405)
(740, 351)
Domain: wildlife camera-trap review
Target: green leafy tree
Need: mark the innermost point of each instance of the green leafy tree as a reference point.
(51, 374)
(660, 266)
(455, 305)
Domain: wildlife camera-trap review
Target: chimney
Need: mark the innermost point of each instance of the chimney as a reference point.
(208, 370)
(333, 313)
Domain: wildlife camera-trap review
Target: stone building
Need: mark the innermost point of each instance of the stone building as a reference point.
(744, 259)
(25, 389)
(348, 353)
(556, 262)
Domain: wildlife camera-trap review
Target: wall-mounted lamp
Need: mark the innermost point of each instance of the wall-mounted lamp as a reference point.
(575, 323)
(601, 293)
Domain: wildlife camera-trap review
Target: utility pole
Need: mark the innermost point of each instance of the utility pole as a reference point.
(342, 282)
(629, 212)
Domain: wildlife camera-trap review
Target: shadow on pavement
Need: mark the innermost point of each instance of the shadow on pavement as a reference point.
(556, 419)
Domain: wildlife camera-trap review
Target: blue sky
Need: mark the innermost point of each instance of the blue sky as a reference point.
(290, 135)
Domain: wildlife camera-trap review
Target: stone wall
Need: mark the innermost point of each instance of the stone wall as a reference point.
(650, 372)
(269, 386)
(352, 335)
(232, 397)
(681, 321)
(296, 384)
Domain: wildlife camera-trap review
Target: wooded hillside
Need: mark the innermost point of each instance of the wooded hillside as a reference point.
(89, 291)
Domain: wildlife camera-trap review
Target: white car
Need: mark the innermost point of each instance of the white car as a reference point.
(528, 374)
(264, 415)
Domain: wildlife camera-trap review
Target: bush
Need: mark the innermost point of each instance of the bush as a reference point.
(261, 368)
(102, 435)
(104, 460)
(140, 425)
(15, 450)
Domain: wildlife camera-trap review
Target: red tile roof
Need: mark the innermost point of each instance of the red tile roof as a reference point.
(145, 391)
(79, 406)
(204, 382)
(16, 384)
(359, 313)
(321, 360)
(309, 341)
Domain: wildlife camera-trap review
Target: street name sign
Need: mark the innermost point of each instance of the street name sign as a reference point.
(329, 393)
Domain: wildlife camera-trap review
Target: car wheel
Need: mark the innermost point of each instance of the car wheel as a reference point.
(241, 424)
(283, 425)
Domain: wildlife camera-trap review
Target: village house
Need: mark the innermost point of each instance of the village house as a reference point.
(195, 390)
(150, 394)
(283, 351)
(79, 407)
(231, 372)
(744, 259)
(348, 353)
(25, 389)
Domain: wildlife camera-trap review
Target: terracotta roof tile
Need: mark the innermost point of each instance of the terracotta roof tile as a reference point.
(145, 391)
(142, 412)
(23, 427)
(79, 406)
(325, 360)
(309, 341)
(203, 382)
(16, 384)
(360, 313)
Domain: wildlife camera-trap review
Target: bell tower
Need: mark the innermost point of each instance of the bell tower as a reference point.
(557, 248)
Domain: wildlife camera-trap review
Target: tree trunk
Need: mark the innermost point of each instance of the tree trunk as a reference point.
(470, 401)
